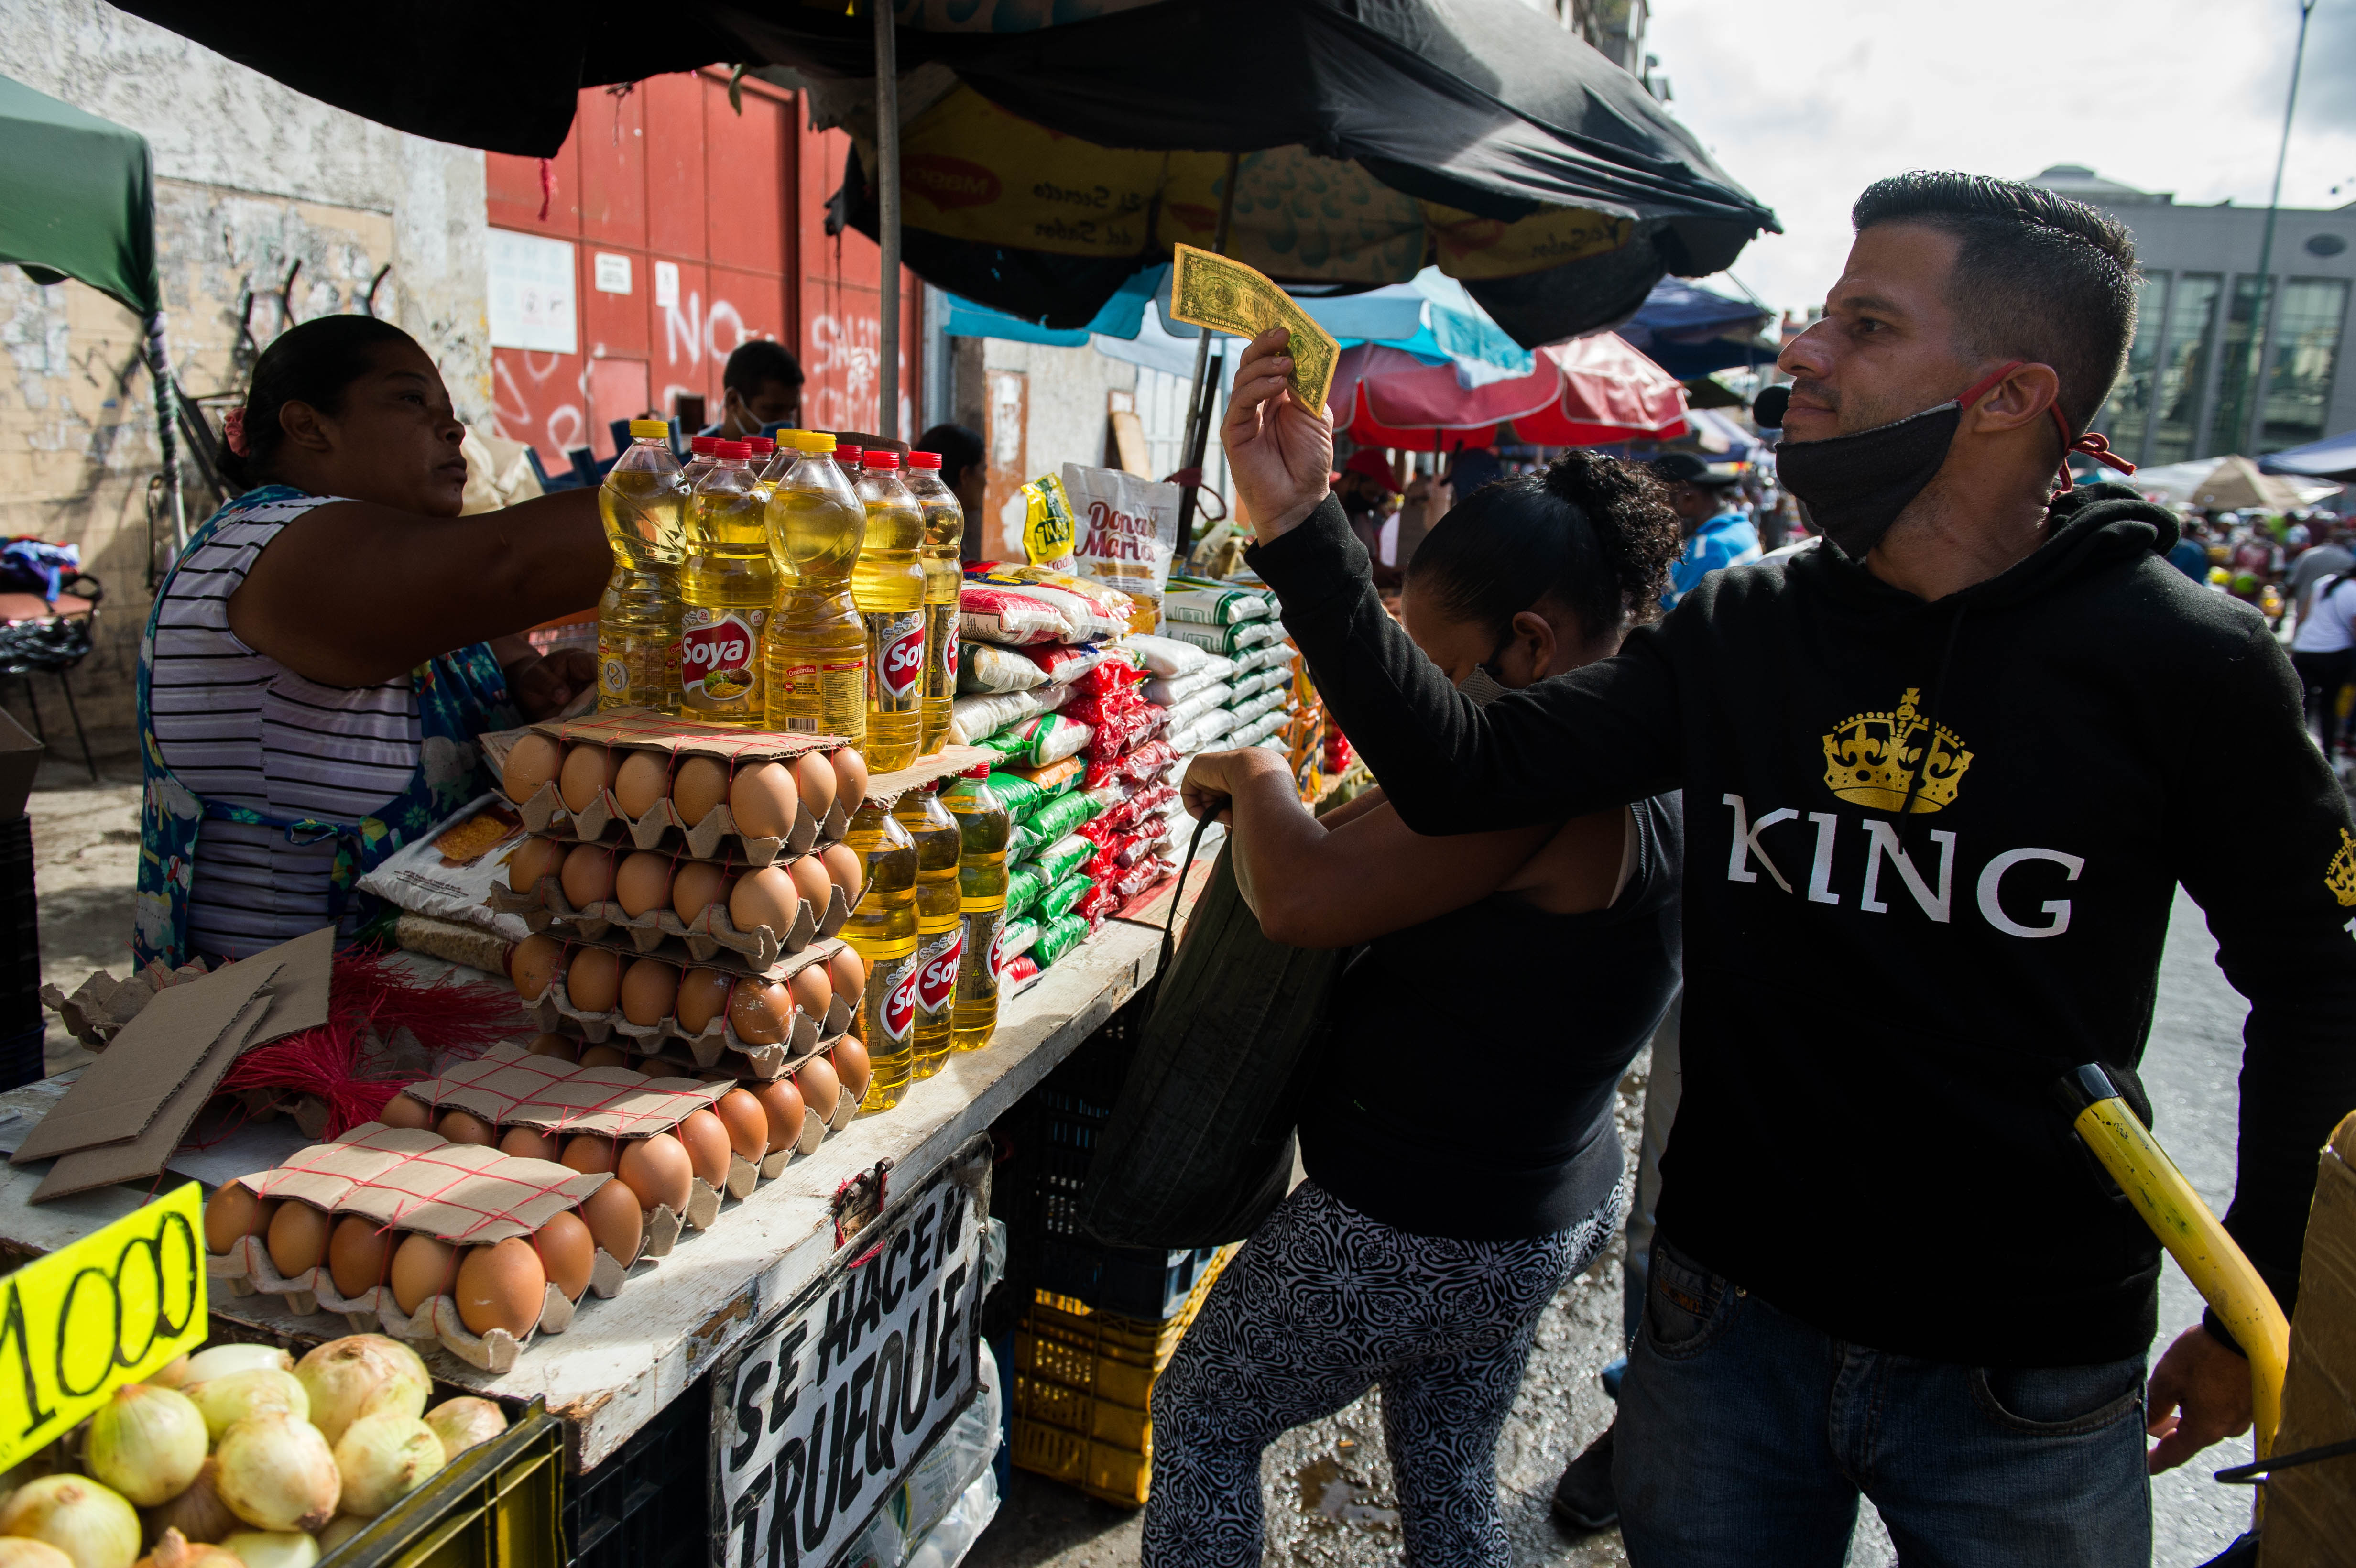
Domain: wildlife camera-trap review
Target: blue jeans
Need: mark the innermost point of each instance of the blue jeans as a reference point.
(1746, 1437)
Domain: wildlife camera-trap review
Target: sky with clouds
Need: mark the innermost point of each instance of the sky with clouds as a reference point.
(1807, 102)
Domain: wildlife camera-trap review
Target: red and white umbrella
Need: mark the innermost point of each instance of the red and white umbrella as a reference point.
(1590, 392)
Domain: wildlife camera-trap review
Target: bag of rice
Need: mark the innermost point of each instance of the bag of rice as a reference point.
(1036, 742)
(1212, 607)
(1062, 814)
(1081, 611)
(1058, 900)
(1171, 690)
(1016, 937)
(1060, 938)
(1063, 857)
(1010, 616)
(1023, 890)
(1019, 796)
(988, 668)
(1099, 906)
(1167, 656)
(1228, 640)
(1063, 663)
(1050, 777)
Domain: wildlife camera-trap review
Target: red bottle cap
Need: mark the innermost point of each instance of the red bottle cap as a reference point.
(981, 772)
(885, 460)
(923, 460)
(761, 444)
(736, 450)
(847, 455)
(704, 446)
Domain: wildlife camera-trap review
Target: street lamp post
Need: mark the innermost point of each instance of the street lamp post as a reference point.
(2251, 383)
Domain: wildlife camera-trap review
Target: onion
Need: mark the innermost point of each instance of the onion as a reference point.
(363, 1374)
(277, 1473)
(464, 1422)
(171, 1374)
(220, 1360)
(80, 1518)
(199, 1514)
(272, 1549)
(18, 1551)
(384, 1457)
(147, 1442)
(175, 1550)
(223, 1401)
(342, 1527)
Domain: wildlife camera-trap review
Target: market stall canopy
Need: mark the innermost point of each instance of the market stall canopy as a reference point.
(1048, 152)
(2334, 457)
(77, 199)
(2236, 483)
(1584, 393)
(1689, 331)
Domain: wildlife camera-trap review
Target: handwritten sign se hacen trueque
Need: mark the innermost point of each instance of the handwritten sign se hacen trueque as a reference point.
(113, 1309)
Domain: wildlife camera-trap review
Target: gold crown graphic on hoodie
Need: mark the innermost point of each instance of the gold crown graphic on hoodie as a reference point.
(2340, 875)
(1871, 759)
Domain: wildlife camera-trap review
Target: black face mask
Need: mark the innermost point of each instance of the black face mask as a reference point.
(1855, 486)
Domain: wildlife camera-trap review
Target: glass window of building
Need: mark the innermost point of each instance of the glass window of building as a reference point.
(2304, 353)
(2237, 365)
(2183, 366)
(2127, 411)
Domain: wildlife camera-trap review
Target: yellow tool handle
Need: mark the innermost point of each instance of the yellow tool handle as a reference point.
(2210, 1258)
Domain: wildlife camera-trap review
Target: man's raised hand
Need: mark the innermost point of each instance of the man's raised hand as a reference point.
(1281, 453)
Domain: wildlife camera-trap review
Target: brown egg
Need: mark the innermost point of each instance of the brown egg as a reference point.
(819, 1086)
(233, 1212)
(659, 1171)
(533, 963)
(763, 801)
(594, 980)
(588, 1153)
(528, 1143)
(605, 1056)
(501, 1286)
(699, 784)
(567, 1252)
(298, 1238)
(782, 1103)
(812, 883)
(642, 882)
(532, 861)
(849, 774)
(649, 988)
(814, 781)
(765, 897)
(705, 1136)
(748, 1124)
(614, 1221)
(844, 869)
(812, 990)
(703, 996)
(849, 973)
(531, 763)
(422, 1268)
(850, 1064)
(400, 1111)
(562, 1046)
(760, 1011)
(696, 886)
(588, 875)
(588, 774)
(357, 1252)
(642, 780)
(464, 1127)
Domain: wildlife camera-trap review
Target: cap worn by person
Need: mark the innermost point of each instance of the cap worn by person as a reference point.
(1684, 468)
(1370, 462)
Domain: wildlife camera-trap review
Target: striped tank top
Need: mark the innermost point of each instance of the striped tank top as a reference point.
(237, 727)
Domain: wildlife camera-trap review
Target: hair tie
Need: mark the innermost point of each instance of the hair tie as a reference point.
(233, 431)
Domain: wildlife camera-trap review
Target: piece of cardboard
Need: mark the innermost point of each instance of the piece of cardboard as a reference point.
(509, 1087)
(20, 759)
(2311, 1508)
(411, 1179)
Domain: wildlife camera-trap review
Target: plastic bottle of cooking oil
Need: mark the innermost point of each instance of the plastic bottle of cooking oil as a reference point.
(816, 655)
(643, 501)
(940, 932)
(983, 829)
(699, 457)
(944, 576)
(883, 930)
(728, 585)
(763, 454)
(889, 585)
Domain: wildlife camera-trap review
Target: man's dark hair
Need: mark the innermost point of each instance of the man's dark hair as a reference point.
(959, 448)
(2038, 277)
(755, 364)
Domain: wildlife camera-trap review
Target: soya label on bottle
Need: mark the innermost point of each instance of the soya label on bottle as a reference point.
(936, 970)
(949, 652)
(897, 1014)
(899, 643)
(717, 655)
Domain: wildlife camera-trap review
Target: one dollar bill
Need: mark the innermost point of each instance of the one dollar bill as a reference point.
(1225, 296)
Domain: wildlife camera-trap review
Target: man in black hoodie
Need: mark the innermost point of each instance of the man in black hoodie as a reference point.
(1943, 777)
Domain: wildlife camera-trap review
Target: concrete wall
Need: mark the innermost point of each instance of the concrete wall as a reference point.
(1068, 416)
(253, 178)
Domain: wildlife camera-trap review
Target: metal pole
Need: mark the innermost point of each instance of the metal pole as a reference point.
(887, 216)
(1198, 409)
(2262, 310)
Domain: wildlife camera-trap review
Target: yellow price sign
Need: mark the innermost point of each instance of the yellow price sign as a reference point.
(108, 1310)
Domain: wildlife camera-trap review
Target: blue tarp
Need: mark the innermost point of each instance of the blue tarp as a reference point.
(2333, 457)
(1683, 328)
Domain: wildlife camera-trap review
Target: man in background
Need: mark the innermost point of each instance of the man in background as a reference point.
(762, 386)
(965, 469)
(2329, 557)
(1708, 500)
(1368, 496)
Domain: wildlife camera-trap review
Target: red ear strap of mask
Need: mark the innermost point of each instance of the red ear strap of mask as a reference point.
(2091, 443)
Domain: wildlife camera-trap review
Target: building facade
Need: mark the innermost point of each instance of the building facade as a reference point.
(2228, 360)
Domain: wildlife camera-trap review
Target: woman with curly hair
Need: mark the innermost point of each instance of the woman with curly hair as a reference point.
(1516, 971)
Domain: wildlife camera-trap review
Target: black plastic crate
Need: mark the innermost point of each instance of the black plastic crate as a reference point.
(647, 1506)
(20, 932)
(1130, 1282)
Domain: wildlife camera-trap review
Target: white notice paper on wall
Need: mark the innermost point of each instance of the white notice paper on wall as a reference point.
(531, 293)
(611, 273)
(666, 285)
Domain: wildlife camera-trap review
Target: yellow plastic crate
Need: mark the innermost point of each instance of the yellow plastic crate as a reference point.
(497, 1504)
(1051, 1451)
(1117, 1475)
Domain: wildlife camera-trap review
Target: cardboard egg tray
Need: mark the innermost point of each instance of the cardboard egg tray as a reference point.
(552, 1012)
(763, 951)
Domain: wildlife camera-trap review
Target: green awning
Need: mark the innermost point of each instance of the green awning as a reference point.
(77, 199)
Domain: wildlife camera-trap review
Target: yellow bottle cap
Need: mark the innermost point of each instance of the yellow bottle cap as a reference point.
(641, 429)
(805, 440)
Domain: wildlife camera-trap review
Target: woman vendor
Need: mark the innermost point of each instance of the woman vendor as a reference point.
(323, 655)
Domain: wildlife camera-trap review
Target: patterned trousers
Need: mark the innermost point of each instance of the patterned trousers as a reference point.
(1322, 1304)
